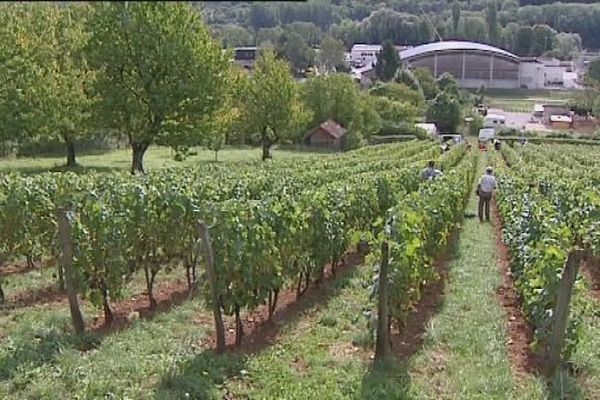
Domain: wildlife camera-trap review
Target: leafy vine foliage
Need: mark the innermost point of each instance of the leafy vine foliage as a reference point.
(550, 204)
(272, 226)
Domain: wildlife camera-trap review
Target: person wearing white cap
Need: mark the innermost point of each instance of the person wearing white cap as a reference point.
(485, 189)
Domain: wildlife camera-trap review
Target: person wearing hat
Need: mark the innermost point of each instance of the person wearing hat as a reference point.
(485, 189)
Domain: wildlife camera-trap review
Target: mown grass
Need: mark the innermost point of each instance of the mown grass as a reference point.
(41, 359)
(323, 352)
(465, 353)
(156, 157)
(523, 101)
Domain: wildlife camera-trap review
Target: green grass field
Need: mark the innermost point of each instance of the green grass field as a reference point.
(524, 100)
(156, 157)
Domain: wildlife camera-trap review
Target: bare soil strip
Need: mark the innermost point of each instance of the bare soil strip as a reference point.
(21, 267)
(29, 298)
(591, 271)
(167, 295)
(520, 331)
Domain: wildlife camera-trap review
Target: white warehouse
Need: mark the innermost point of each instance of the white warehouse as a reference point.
(476, 64)
(364, 54)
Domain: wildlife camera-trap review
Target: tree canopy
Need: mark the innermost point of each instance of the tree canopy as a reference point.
(272, 111)
(388, 61)
(159, 73)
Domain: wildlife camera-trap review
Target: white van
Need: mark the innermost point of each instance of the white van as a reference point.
(486, 134)
(494, 121)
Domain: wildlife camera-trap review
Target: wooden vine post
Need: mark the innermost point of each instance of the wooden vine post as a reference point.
(382, 346)
(561, 310)
(64, 234)
(212, 279)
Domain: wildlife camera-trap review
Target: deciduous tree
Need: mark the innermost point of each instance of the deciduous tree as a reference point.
(426, 81)
(388, 61)
(331, 54)
(262, 16)
(295, 49)
(399, 92)
(332, 96)
(273, 110)
(447, 83)
(235, 36)
(311, 33)
(593, 72)
(492, 21)
(58, 97)
(524, 41)
(445, 112)
(159, 72)
(566, 45)
(406, 77)
(19, 44)
(225, 124)
(455, 15)
(543, 39)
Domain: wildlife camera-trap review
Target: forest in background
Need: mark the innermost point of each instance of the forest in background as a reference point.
(527, 28)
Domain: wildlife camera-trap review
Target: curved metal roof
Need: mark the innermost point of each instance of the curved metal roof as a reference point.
(453, 45)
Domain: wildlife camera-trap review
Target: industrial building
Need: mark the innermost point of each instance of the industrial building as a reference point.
(476, 64)
(364, 55)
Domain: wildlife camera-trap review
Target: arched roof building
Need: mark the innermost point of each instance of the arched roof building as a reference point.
(472, 64)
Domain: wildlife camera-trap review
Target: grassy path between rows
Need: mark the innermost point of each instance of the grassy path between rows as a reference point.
(464, 355)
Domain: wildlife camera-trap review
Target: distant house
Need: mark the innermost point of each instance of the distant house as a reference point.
(538, 111)
(554, 109)
(364, 75)
(561, 121)
(431, 129)
(245, 56)
(328, 135)
(364, 54)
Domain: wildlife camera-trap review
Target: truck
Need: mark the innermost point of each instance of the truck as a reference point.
(494, 121)
(485, 135)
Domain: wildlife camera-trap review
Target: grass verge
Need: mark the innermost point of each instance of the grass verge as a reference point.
(465, 354)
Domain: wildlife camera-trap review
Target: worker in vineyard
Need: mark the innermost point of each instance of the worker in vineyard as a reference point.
(497, 144)
(430, 172)
(485, 189)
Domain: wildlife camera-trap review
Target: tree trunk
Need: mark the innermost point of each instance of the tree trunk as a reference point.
(299, 287)
(150, 286)
(216, 155)
(266, 150)
(61, 278)
(194, 265)
(273, 297)
(239, 328)
(321, 276)
(137, 161)
(108, 313)
(188, 275)
(64, 233)
(1, 292)
(30, 263)
(71, 162)
(306, 280)
(214, 294)
(190, 266)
